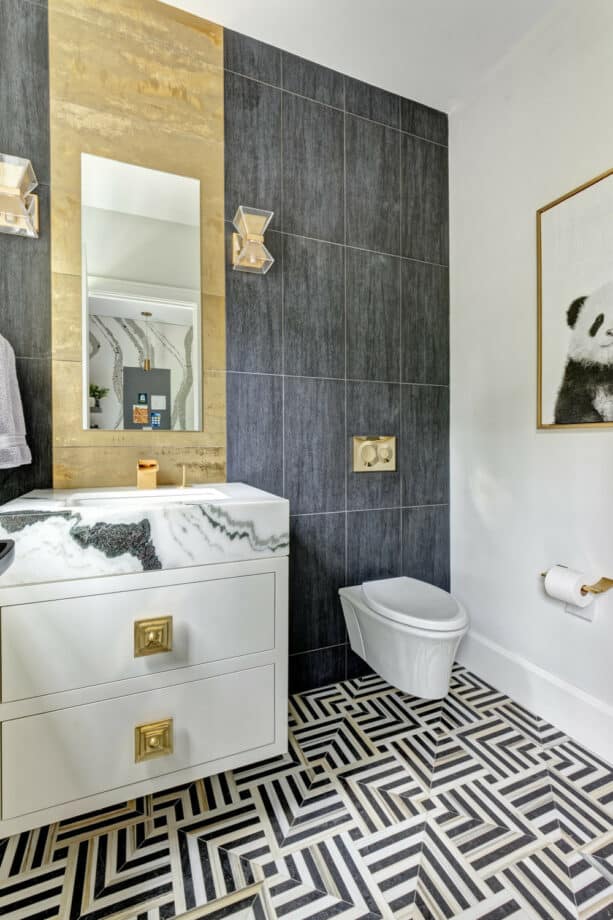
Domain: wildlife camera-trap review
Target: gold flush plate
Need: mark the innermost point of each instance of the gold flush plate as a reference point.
(152, 636)
(153, 739)
(374, 453)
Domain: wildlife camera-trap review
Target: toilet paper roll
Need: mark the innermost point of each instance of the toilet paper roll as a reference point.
(565, 585)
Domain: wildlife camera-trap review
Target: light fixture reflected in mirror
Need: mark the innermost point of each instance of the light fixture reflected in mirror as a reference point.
(147, 361)
(249, 254)
(18, 206)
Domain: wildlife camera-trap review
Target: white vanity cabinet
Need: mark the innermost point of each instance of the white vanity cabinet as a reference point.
(116, 686)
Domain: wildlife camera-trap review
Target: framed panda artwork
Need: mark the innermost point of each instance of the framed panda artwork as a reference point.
(575, 307)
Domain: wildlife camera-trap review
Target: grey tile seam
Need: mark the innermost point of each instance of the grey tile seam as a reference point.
(300, 514)
(321, 648)
(374, 252)
(402, 383)
(283, 464)
(326, 105)
(346, 448)
(401, 368)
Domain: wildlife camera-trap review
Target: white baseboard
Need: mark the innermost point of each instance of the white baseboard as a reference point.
(581, 716)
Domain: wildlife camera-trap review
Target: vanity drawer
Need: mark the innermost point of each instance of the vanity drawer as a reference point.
(51, 646)
(69, 754)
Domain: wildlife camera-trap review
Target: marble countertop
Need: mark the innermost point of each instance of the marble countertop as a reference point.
(57, 539)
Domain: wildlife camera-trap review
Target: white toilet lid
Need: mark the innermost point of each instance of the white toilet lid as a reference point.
(414, 603)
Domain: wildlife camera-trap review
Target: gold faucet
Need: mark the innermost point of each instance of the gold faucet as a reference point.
(147, 474)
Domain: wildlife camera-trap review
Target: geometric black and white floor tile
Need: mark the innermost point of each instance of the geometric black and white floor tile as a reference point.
(385, 806)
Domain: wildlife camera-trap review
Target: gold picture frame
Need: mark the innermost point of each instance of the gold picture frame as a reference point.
(542, 424)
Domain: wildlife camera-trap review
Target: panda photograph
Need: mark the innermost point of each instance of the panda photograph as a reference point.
(575, 307)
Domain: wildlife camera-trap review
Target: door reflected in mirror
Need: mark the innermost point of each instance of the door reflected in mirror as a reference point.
(140, 232)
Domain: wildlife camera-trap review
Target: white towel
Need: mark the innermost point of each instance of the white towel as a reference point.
(14, 450)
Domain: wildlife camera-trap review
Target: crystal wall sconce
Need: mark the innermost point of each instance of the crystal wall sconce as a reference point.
(249, 254)
(18, 206)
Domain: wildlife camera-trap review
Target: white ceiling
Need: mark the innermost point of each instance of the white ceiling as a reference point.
(434, 51)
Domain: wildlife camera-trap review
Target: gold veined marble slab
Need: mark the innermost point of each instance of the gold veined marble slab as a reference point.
(80, 467)
(66, 317)
(165, 25)
(140, 82)
(67, 421)
(76, 130)
(138, 79)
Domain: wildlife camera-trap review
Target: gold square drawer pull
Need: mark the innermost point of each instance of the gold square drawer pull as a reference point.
(153, 739)
(152, 636)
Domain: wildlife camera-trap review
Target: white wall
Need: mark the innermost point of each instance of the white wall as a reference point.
(540, 125)
(428, 50)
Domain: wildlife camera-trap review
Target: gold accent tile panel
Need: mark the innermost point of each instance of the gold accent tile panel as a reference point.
(68, 430)
(89, 467)
(141, 82)
(66, 313)
(184, 34)
(76, 130)
(152, 83)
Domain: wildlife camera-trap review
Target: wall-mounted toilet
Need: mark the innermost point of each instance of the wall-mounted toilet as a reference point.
(407, 630)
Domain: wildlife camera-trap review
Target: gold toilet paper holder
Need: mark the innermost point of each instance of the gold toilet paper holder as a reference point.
(603, 584)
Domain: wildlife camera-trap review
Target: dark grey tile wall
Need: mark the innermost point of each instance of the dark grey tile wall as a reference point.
(347, 334)
(25, 279)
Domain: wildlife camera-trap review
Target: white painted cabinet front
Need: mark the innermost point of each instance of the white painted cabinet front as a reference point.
(77, 694)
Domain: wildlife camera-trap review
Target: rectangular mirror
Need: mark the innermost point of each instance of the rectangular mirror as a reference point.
(140, 234)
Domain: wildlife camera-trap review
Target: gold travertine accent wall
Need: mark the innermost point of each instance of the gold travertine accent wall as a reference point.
(141, 82)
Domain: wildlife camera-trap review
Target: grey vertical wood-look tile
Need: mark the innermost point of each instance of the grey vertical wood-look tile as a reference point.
(24, 78)
(317, 571)
(425, 544)
(252, 146)
(255, 420)
(314, 308)
(425, 323)
(373, 408)
(254, 313)
(425, 445)
(25, 288)
(373, 186)
(313, 81)
(251, 58)
(314, 439)
(34, 378)
(372, 102)
(356, 666)
(373, 545)
(423, 121)
(424, 201)
(315, 669)
(373, 316)
(313, 170)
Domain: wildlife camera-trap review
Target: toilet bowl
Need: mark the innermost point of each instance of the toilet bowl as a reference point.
(407, 630)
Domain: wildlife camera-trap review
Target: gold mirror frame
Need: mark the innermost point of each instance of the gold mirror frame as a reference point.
(140, 82)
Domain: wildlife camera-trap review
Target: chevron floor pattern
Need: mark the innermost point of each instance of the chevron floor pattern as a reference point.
(385, 806)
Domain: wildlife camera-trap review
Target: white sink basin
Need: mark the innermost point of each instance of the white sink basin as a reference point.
(163, 495)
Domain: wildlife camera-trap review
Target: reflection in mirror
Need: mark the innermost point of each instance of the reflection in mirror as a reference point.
(141, 297)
